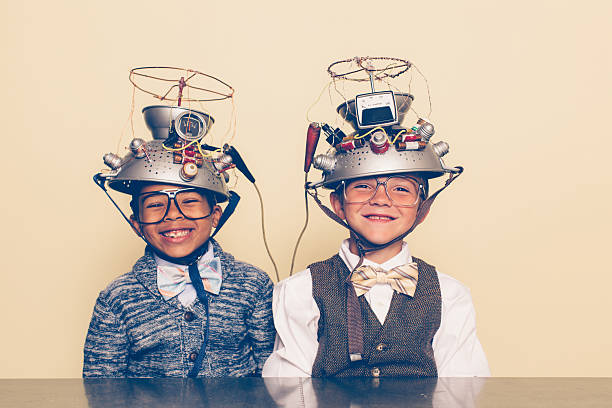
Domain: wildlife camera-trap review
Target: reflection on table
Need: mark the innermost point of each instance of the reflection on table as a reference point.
(306, 392)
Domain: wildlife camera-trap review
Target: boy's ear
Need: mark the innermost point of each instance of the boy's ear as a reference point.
(217, 211)
(337, 205)
(135, 226)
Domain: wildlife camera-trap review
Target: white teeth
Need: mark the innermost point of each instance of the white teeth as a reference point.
(176, 233)
(378, 217)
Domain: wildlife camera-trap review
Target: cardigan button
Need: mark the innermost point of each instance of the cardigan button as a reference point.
(193, 356)
(381, 347)
(376, 372)
(189, 316)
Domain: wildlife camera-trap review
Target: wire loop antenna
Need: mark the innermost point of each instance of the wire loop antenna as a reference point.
(184, 85)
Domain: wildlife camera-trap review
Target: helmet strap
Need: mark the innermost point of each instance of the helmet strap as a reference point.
(232, 203)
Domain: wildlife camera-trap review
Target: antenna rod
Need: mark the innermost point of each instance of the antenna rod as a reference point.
(370, 68)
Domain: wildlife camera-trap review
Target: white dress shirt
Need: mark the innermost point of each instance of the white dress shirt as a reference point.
(457, 351)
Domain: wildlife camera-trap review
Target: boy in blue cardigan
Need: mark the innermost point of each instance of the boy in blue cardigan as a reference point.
(187, 308)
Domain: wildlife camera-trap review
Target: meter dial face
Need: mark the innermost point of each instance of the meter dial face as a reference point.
(190, 126)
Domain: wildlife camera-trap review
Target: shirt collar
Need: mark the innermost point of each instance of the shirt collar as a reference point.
(351, 260)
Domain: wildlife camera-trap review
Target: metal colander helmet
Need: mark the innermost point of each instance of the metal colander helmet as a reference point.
(378, 149)
(172, 157)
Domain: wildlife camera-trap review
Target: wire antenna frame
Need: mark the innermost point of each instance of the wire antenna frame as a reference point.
(181, 84)
(392, 68)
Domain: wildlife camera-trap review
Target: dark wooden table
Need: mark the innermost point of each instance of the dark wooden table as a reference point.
(295, 392)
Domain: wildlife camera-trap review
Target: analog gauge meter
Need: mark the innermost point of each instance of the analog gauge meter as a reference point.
(376, 109)
(191, 126)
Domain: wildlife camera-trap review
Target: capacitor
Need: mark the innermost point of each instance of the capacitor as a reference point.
(409, 136)
(189, 152)
(189, 171)
(138, 148)
(112, 160)
(312, 139)
(350, 145)
(177, 158)
(379, 143)
(417, 145)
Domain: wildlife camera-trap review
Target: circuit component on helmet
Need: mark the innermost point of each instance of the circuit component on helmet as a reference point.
(113, 161)
(426, 130)
(324, 162)
(138, 147)
(334, 136)
(379, 142)
(440, 148)
(189, 171)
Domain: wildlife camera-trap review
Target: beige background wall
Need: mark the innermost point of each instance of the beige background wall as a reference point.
(521, 91)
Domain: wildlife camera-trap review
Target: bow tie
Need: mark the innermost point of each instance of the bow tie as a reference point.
(171, 280)
(403, 279)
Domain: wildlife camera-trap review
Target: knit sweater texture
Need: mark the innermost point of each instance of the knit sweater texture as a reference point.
(134, 332)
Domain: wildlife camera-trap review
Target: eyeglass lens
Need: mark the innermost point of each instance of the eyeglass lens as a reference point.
(401, 191)
(191, 205)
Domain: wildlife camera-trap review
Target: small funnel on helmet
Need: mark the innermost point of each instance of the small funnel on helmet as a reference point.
(159, 120)
(402, 103)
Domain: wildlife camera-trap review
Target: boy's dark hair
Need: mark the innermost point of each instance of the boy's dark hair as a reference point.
(209, 195)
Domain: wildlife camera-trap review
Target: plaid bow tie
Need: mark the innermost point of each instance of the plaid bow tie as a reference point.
(403, 279)
(171, 280)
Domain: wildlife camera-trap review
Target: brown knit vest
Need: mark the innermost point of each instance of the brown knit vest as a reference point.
(400, 347)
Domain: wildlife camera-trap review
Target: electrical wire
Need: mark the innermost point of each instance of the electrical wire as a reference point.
(263, 230)
(427, 86)
(398, 135)
(202, 152)
(317, 101)
(297, 243)
(370, 132)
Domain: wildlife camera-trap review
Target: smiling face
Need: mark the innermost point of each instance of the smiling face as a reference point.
(176, 236)
(378, 220)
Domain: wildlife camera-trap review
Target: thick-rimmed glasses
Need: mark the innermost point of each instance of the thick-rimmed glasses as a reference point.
(154, 206)
(401, 191)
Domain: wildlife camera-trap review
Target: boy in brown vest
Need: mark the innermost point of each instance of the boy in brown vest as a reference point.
(373, 309)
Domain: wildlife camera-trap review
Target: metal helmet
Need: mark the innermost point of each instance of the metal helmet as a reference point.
(165, 159)
(387, 148)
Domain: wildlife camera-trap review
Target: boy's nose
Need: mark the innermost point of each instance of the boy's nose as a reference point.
(173, 211)
(380, 196)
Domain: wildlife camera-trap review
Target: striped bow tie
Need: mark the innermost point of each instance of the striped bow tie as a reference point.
(403, 279)
(171, 280)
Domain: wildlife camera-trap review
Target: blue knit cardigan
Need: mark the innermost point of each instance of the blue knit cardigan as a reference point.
(134, 332)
